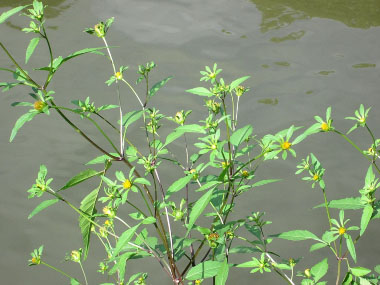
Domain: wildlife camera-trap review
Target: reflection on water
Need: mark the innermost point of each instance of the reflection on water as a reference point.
(281, 13)
(364, 65)
(54, 7)
(291, 36)
(268, 101)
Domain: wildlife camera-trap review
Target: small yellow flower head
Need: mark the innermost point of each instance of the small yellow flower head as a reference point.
(371, 151)
(75, 256)
(127, 184)
(39, 105)
(240, 90)
(245, 174)
(194, 173)
(325, 127)
(292, 262)
(179, 118)
(198, 282)
(286, 145)
(35, 260)
(213, 146)
(315, 177)
(212, 75)
(42, 187)
(225, 164)
(307, 273)
(103, 232)
(109, 212)
(213, 236)
(99, 30)
(342, 231)
(119, 75)
(362, 120)
(108, 223)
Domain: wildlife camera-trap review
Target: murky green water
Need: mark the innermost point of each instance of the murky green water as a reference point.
(303, 56)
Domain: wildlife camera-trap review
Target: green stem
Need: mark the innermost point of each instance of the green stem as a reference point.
(328, 213)
(358, 149)
(339, 261)
(84, 274)
(36, 85)
(95, 124)
(48, 79)
(58, 270)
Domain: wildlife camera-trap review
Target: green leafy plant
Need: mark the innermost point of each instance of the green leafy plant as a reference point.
(186, 227)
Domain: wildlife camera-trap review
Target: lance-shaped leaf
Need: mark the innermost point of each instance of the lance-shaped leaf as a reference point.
(20, 122)
(123, 240)
(198, 208)
(131, 117)
(360, 271)
(241, 135)
(222, 275)
(178, 185)
(88, 208)
(352, 203)
(181, 130)
(158, 86)
(82, 176)
(201, 91)
(238, 81)
(297, 235)
(30, 49)
(42, 206)
(81, 52)
(319, 270)
(366, 217)
(351, 247)
(204, 270)
(4, 16)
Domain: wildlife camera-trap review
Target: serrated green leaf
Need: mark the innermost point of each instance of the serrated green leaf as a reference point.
(82, 176)
(360, 271)
(297, 235)
(4, 16)
(377, 269)
(20, 122)
(198, 208)
(201, 91)
(366, 217)
(30, 49)
(88, 207)
(241, 135)
(319, 270)
(178, 185)
(238, 81)
(42, 206)
(204, 270)
(124, 239)
(222, 275)
(352, 203)
(158, 85)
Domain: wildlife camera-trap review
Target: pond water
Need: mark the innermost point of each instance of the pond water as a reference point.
(303, 56)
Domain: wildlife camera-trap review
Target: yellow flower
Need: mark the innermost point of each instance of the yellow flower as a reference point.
(119, 75)
(342, 231)
(127, 184)
(75, 256)
(315, 177)
(245, 173)
(213, 146)
(325, 127)
(39, 105)
(286, 145)
(307, 273)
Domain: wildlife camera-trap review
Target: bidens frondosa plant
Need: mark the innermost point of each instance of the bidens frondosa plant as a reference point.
(186, 227)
